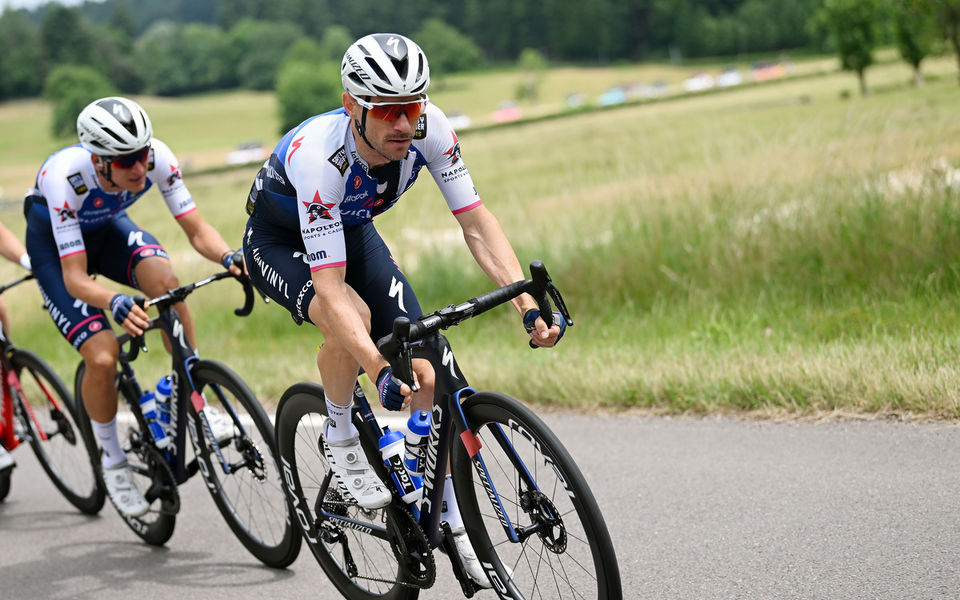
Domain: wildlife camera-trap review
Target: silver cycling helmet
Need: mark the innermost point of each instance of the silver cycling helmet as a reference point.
(386, 65)
(114, 126)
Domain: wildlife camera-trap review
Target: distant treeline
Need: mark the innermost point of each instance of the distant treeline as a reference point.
(173, 47)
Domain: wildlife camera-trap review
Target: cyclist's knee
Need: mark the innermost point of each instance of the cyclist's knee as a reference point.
(155, 276)
(100, 352)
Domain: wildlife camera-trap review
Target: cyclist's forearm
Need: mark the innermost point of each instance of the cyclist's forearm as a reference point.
(493, 252)
(82, 287)
(204, 238)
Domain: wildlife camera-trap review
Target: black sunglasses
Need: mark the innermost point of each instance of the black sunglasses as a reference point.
(126, 161)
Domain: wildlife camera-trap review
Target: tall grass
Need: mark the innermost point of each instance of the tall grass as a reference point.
(773, 249)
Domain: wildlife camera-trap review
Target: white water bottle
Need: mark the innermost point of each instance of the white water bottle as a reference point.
(418, 434)
(148, 407)
(391, 448)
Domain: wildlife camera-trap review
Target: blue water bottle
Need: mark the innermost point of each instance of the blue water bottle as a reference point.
(391, 448)
(148, 407)
(164, 413)
(418, 434)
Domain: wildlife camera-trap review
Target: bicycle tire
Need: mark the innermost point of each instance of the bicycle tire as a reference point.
(571, 557)
(5, 484)
(67, 456)
(156, 527)
(300, 417)
(264, 525)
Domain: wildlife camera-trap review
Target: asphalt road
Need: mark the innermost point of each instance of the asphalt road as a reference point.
(716, 508)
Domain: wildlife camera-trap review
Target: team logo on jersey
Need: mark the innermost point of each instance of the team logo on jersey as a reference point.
(76, 182)
(98, 202)
(339, 159)
(295, 144)
(175, 174)
(421, 131)
(95, 326)
(356, 182)
(65, 212)
(454, 151)
(317, 209)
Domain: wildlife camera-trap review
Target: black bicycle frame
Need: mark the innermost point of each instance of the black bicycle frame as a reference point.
(451, 388)
(183, 388)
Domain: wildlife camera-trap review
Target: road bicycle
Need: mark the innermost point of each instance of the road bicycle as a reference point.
(38, 409)
(526, 507)
(241, 472)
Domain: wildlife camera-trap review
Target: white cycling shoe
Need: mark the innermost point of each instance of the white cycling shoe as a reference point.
(123, 493)
(355, 475)
(6, 460)
(471, 564)
(220, 423)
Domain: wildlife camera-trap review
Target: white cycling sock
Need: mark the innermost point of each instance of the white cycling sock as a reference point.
(449, 511)
(110, 443)
(340, 426)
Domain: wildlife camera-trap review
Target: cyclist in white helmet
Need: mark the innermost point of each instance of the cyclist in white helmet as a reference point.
(12, 250)
(77, 226)
(311, 245)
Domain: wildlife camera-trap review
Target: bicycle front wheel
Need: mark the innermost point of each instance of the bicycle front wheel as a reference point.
(545, 536)
(245, 483)
(360, 564)
(49, 415)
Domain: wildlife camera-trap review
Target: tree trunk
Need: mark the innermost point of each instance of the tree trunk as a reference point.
(863, 82)
(918, 80)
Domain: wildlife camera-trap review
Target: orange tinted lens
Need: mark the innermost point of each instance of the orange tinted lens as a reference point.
(390, 112)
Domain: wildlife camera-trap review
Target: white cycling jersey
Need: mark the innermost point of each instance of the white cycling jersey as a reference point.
(76, 204)
(316, 182)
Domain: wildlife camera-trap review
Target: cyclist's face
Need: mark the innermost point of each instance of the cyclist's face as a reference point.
(391, 139)
(132, 178)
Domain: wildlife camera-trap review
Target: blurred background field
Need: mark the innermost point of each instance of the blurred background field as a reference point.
(789, 247)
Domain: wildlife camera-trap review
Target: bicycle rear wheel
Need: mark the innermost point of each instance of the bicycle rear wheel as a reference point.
(46, 407)
(151, 473)
(361, 565)
(248, 493)
(563, 549)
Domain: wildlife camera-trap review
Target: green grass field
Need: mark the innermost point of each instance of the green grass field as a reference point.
(779, 249)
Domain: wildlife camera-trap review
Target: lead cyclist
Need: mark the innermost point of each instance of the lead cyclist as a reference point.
(311, 245)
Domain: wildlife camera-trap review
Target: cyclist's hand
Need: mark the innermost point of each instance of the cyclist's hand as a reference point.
(540, 335)
(126, 313)
(394, 394)
(232, 260)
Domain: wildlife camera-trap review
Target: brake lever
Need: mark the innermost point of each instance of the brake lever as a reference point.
(140, 341)
(403, 369)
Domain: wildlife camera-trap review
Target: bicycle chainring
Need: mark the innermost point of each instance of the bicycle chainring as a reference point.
(418, 567)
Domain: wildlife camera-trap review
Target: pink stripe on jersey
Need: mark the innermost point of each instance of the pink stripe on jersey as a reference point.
(186, 213)
(72, 253)
(336, 264)
(466, 208)
(81, 324)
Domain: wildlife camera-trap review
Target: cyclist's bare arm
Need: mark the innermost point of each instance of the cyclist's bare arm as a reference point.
(10, 247)
(493, 252)
(80, 285)
(204, 238)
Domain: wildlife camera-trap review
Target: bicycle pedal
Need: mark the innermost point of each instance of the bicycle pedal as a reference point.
(448, 547)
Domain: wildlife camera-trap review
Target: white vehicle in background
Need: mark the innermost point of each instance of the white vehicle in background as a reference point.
(730, 76)
(246, 153)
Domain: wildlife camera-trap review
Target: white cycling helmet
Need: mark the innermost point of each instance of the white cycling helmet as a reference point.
(386, 65)
(114, 126)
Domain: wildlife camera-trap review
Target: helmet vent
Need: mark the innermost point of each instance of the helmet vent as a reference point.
(376, 68)
(402, 66)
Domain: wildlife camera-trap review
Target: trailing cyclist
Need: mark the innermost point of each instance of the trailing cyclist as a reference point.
(311, 245)
(77, 225)
(12, 250)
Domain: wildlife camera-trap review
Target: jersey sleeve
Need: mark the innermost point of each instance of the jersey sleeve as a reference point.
(441, 149)
(165, 173)
(64, 194)
(319, 188)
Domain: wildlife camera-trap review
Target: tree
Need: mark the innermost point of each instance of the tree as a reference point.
(257, 49)
(21, 64)
(66, 38)
(948, 15)
(916, 33)
(853, 24)
(306, 89)
(70, 88)
(335, 41)
(447, 50)
(533, 66)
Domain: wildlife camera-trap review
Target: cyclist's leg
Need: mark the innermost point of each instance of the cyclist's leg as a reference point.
(134, 257)
(377, 278)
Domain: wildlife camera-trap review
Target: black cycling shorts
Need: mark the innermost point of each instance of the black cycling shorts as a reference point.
(278, 267)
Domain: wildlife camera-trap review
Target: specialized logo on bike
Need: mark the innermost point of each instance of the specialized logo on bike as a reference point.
(317, 209)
